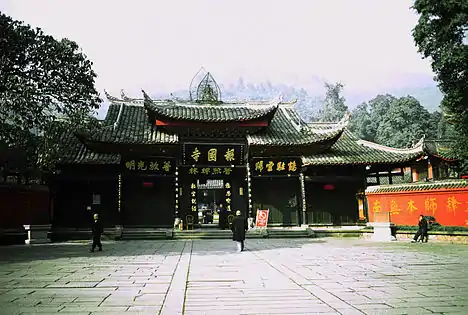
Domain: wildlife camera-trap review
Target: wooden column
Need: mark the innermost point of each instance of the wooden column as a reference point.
(430, 172)
(249, 188)
(303, 199)
(414, 174)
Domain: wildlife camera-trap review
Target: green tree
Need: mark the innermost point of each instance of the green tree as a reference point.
(441, 35)
(378, 108)
(46, 87)
(360, 121)
(404, 123)
(334, 107)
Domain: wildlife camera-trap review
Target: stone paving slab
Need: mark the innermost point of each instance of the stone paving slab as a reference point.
(274, 276)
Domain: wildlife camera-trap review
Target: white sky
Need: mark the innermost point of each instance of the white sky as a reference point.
(159, 45)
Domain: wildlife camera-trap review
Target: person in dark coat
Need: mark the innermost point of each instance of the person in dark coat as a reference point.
(422, 230)
(222, 212)
(97, 230)
(239, 227)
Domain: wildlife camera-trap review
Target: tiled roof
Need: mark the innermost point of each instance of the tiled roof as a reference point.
(74, 152)
(193, 111)
(126, 123)
(440, 148)
(349, 150)
(287, 128)
(419, 186)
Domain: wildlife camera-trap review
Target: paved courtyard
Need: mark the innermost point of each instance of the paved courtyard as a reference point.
(299, 276)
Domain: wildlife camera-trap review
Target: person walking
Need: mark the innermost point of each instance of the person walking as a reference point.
(97, 230)
(422, 230)
(239, 227)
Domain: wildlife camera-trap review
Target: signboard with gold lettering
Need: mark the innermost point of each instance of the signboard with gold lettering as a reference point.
(209, 171)
(158, 166)
(275, 166)
(213, 154)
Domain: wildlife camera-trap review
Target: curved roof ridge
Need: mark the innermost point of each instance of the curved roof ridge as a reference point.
(336, 126)
(417, 148)
(450, 183)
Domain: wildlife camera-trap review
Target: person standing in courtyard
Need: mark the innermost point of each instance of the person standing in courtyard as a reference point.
(239, 228)
(222, 212)
(97, 230)
(422, 230)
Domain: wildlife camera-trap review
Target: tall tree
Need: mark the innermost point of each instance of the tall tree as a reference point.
(405, 122)
(378, 108)
(441, 35)
(42, 80)
(360, 121)
(334, 107)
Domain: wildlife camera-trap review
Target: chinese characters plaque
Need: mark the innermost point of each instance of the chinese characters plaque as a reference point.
(161, 166)
(275, 166)
(213, 154)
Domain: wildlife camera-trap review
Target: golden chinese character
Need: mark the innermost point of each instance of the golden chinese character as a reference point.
(376, 207)
(227, 171)
(394, 207)
(280, 166)
(411, 207)
(228, 207)
(194, 208)
(212, 155)
(193, 170)
(196, 154)
(205, 170)
(216, 170)
(227, 186)
(193, 186)
(228, 200)
(229, 156)
(259, 166)
(194, 201)
(431, 205)
(130, 165)
(292, 167)
(452, 204)
(194, 193)
(141, 166)
(269, 166)
(154, 166)
(228, 193)
(167, 166)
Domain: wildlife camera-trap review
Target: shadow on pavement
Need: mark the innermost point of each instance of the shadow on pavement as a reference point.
(25, 253)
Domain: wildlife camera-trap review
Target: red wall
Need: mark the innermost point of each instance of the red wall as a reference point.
(448, 206)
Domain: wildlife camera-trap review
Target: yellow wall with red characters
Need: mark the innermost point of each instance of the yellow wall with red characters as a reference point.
(448, 206)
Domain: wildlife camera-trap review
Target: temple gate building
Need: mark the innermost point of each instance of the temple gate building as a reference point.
(154, 161)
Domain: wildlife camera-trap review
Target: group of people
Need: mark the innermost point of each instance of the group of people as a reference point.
(423, 227)
(238, 226)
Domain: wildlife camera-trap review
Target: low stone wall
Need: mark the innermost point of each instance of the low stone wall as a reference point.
(450, 237)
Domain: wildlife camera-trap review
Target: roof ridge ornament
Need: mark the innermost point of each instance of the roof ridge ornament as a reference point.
(208, 90)
(110, 97)
(124, 96)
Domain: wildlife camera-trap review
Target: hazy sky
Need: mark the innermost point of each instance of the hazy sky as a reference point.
(160, 45)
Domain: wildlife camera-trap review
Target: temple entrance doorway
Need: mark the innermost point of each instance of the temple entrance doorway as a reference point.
(211, 197)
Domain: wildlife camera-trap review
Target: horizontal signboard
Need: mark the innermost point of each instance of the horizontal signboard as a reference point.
(213, 154)
(209, 171)
(275, 166)
(162, 166)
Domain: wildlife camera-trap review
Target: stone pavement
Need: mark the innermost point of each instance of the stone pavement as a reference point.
(274, 276)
